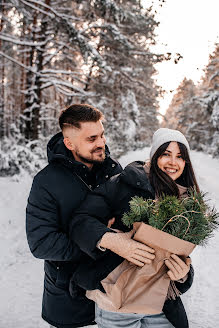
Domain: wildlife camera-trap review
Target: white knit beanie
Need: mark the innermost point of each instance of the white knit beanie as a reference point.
(164, 135)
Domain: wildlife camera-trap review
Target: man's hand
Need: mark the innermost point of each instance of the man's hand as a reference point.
(129, 249)
(110, 223)
(178, 269)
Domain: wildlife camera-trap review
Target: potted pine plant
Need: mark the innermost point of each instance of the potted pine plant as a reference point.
(170, 225)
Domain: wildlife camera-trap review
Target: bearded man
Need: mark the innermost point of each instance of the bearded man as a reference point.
(79, 161)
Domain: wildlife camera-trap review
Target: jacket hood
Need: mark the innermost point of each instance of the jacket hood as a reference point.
(56, 150)
(135, 175)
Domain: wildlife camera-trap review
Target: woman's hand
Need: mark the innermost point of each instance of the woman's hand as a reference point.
(131, 250)
(178, 269)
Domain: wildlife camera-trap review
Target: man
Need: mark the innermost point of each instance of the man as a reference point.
(78, 162)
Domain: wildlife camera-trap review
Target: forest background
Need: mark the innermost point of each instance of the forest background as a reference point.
(54, 53)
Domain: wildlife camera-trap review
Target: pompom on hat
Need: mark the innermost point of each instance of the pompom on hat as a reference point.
(164, 135)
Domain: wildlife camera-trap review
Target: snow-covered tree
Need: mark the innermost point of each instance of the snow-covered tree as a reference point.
(60, 52)
(127, 93)
(176, 111)
(195, 110)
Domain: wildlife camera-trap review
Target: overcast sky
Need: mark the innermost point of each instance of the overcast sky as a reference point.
(188, 27)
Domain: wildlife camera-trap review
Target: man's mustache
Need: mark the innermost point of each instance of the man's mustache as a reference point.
(99, 148)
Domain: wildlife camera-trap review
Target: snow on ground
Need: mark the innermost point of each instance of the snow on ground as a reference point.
(21, 281)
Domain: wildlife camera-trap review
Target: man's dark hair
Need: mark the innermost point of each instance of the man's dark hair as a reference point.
(162, 183)
(77, 113)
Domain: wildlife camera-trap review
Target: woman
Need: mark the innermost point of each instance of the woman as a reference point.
(169, 172)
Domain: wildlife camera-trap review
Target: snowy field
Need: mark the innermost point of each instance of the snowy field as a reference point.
(21, 281)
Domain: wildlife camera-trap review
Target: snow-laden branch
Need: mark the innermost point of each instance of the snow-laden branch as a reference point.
(214, 76)
(143, 53)
(50, 76)
(66, 84)
(135, 81)
(18, 63)
(61, 88)
(49, 58)
(37, 8)
(66, 93)
(7, 38)
(52, 12)
(59, 71)
(47, 79)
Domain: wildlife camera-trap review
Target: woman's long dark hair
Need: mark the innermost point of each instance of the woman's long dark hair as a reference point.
(162, 183)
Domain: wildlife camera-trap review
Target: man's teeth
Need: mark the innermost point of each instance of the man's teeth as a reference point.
(171, 170)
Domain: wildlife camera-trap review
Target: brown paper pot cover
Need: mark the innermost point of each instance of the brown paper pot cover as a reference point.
(134, 289)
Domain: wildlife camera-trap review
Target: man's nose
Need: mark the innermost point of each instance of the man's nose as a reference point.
(101, 142)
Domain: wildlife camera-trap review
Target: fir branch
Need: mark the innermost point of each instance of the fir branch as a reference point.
(190, 218)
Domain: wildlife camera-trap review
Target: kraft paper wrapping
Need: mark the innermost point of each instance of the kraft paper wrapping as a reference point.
(144, 289)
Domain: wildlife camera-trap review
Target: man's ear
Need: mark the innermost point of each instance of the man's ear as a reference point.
(68, 143)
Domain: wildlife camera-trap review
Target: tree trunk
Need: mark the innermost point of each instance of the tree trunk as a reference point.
(2, 88)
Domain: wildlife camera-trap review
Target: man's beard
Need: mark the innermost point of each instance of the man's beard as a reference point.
(90, 160)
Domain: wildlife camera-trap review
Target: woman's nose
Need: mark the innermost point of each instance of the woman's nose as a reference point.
(172, 160)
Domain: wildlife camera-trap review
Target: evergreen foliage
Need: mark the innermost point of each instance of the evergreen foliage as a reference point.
(190, 218)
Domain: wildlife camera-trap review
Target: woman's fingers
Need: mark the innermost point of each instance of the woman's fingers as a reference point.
(143, 259)
(145, 248)
(145, 254)
(178, 260)
(136, 262)
(178, 268)
(171, 275)
(172, 268)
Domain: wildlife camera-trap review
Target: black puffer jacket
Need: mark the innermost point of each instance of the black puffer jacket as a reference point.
(112, 199)
(56, 192)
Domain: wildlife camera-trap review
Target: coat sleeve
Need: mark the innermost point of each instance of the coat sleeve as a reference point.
(89, 221)
(183, 287)
(45, 238)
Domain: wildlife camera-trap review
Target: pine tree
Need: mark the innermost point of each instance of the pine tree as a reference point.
(177, 111)
(126, 92)
(196, 113)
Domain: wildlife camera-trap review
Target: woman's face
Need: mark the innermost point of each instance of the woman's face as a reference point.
(171, 161)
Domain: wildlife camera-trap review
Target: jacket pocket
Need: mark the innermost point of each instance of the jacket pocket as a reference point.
(76, 291)
(57, 274)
